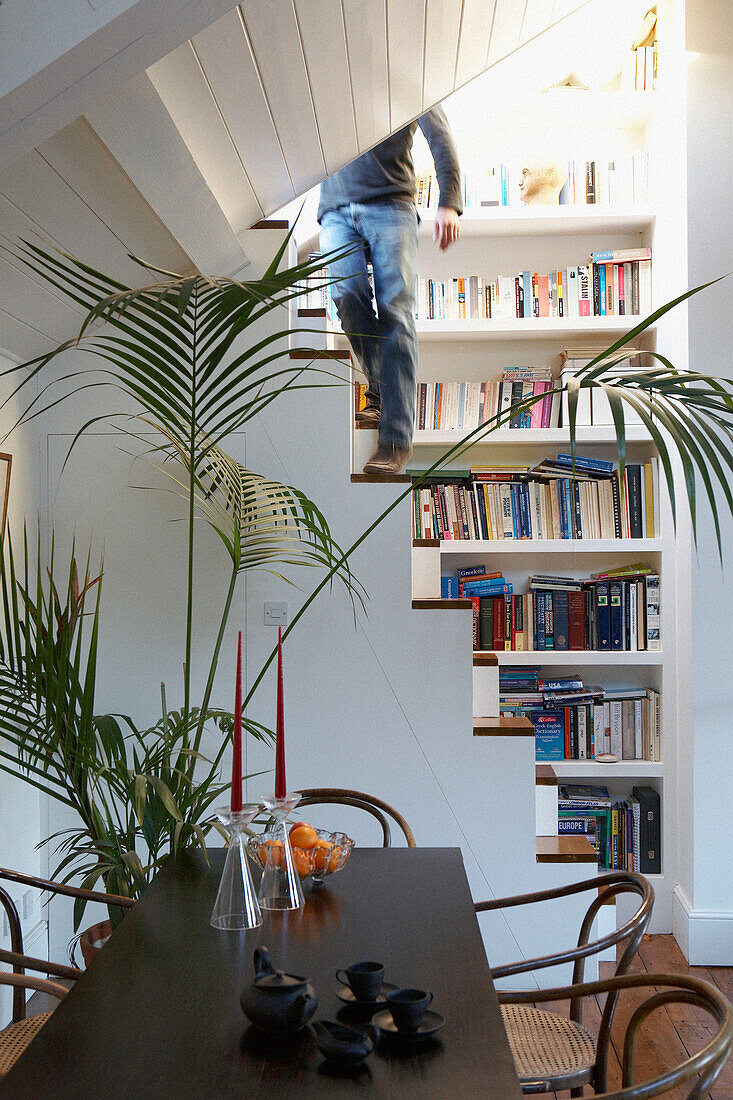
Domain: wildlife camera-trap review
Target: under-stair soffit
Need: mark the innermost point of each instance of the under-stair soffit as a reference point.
(56, 58)
(72, 193)
(272, 98)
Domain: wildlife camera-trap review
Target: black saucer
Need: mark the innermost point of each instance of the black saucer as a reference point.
(431, 1022)
(346, 994)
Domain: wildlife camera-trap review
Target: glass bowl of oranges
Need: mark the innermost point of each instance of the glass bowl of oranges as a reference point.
(316, 852)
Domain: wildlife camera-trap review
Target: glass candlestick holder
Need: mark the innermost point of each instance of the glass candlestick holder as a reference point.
(236, 905)
(280, 886)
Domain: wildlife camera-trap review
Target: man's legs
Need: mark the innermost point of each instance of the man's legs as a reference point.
(352, 294)
(390, 230)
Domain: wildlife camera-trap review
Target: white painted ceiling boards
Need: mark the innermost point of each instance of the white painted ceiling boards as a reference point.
(188, 147)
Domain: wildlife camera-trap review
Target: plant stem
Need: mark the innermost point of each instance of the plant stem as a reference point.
(214, 661)
(191, 515)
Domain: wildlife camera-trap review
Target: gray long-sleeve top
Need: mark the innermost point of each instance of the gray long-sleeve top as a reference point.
(387, 171)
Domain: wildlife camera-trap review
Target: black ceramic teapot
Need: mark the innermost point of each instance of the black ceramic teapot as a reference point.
(276, 1001)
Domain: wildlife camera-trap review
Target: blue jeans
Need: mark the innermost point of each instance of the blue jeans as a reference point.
(385, 341)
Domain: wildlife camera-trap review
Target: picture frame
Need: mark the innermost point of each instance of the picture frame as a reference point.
(6, 462)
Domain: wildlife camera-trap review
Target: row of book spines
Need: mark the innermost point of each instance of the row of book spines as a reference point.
(466, 405)
(614, 833)
(588, 290)
(598, 181)
(576, 621)
(561, 508)
(628, 728)
(626, 834)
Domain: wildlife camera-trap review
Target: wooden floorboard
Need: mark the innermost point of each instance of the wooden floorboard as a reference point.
(676, 1032)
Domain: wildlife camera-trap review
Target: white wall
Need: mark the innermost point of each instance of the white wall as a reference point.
(19, 802)
(704, 911)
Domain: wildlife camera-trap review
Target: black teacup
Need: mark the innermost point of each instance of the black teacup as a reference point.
(408, 1006)
(364, 979)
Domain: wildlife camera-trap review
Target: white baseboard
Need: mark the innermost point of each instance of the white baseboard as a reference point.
(705, 936)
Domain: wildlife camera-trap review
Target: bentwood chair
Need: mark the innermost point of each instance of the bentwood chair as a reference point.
(553, 1052)
(317, 796)
(700, 1070)
(18, 1034)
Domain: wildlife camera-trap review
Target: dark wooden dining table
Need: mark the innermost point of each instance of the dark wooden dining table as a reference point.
(157, 1013)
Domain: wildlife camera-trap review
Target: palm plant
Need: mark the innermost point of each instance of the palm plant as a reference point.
(168, 347)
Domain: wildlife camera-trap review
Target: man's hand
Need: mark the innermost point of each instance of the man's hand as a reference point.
(446, 229)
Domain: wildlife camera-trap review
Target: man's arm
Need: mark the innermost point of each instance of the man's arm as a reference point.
(434, 126)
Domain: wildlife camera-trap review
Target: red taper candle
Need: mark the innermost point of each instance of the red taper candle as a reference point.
(280, 784)
(236, 803)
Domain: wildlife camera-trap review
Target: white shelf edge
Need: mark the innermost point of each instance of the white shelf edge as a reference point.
(546, 220)
(527, 328)
(567, 547)
(613, 658)
(624, 769)
(531, 437)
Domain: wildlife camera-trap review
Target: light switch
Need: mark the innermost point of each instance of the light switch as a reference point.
(276, 614)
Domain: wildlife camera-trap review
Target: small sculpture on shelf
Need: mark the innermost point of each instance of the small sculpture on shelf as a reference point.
(541, 180)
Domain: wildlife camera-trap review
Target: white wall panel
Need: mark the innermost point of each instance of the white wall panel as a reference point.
(33, 185)
(141, 135)
(323, 37)
(505, 31)
(27, 299)
(473, 47)
(275, 39)
(442, 27)
(536, 17)
(225, 56)
(181, 85)
(21, 340)
(85, 165)
(405, 55)
(367, 43)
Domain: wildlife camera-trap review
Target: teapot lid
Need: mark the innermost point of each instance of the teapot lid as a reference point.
(279, 981)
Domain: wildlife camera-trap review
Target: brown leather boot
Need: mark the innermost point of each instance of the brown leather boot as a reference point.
(387, 459)
(368, 417)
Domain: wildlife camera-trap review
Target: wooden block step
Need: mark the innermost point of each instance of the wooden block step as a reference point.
(482, 657)
(441, 605)
(565, 849)
(315, 353)
(388, 479)
(545, 775)
(502, 727)
(312, 312)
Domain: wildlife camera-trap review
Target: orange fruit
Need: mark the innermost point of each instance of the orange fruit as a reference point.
(335, 859)
(323, 854)
(278, 858)
(303, 835)
(302, 862)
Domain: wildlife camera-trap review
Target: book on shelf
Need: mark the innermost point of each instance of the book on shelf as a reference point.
(552, 500)
(596, 180)
(607, 614)
(616, 287)
(577, 721)
(593, 405)
(625, 832)
(464, 406)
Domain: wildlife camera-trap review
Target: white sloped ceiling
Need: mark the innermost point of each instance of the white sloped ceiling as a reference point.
(255, 109)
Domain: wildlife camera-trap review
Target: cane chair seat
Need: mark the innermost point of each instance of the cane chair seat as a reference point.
(545, 1045)
(16, 1037)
